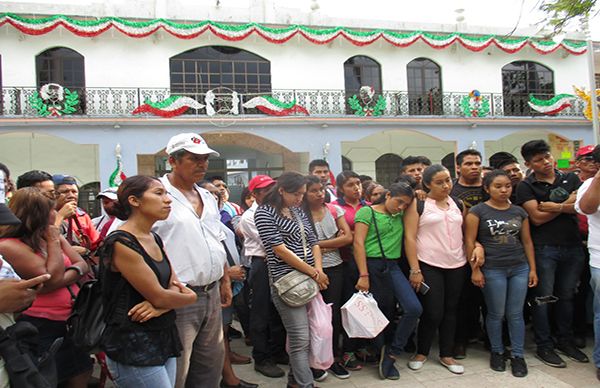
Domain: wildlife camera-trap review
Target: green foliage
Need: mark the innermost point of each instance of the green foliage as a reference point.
(560, 13)
(356, 107)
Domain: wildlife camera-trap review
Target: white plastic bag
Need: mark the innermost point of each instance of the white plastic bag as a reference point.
(321, 333)
(361, 317)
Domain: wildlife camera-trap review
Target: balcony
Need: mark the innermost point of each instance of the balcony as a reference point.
(120, 102)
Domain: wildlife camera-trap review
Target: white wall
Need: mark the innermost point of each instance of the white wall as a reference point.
(114, 60)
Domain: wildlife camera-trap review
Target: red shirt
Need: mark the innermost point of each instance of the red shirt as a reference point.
(350, 212)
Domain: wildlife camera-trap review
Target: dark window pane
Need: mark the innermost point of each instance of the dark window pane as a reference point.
(240, 79)
(226, 78)
(176, 66)
(213, 67)
(252, 67)
(240, 67)
(226, 67)
(252, 79)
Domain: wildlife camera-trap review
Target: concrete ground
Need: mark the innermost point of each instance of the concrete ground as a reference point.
(477, 373)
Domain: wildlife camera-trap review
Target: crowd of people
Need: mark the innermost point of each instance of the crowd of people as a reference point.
(465, 259)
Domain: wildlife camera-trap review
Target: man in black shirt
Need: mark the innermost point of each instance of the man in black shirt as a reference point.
(469, 189)
(548, 196)
(507, 162)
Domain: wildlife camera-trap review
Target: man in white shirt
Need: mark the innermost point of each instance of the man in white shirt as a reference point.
(266, 330)
(320, 168)
(193, 242)
(588, 203)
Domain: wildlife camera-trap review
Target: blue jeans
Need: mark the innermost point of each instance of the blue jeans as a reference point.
(558, 270)
(143, 376)
(504, 292)
(385, 276)
(595, 284)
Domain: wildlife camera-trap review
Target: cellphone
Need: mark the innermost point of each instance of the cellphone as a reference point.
(424, 289)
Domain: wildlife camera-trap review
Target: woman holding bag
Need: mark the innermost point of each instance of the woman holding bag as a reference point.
(291, 245)
(378, 233)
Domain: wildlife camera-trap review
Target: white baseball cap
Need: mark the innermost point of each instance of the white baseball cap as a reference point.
(191, 142)
(110, 193)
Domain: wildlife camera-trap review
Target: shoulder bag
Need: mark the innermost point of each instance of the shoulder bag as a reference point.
(297, 288)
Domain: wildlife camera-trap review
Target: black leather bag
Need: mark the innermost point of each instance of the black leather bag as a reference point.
(27, 368)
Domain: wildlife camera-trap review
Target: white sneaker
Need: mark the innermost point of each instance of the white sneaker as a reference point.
(457, 369)
(416, 364)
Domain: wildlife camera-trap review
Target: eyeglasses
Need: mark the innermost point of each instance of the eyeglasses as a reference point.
(588, 158)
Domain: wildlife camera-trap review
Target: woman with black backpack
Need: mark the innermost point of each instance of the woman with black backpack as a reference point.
(141, 290)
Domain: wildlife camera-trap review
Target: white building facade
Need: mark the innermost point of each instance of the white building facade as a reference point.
(422, 82)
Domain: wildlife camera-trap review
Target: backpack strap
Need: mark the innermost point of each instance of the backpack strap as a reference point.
(457, 201)
(377, 233)
(332, 210)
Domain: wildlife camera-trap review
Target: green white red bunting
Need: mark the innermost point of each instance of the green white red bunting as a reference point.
(170, 107)
(274, 107)
(238, 32)
(551, 106)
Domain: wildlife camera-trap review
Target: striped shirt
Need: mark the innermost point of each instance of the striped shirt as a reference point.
(275, 229)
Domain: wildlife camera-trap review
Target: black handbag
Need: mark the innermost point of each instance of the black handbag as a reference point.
(27, 368)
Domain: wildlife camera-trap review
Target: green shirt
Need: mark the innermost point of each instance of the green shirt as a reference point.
(391, 230)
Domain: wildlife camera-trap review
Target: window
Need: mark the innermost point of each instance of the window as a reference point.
(63, 66)
(387, 169)
(519, 80)
(361, 71)
(424, 87)
(200, 70)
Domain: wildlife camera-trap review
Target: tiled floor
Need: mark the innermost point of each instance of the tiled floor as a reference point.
(477, 373)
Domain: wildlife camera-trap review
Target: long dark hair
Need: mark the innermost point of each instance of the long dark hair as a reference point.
(429, 173)
(33, 208)
(396, 190)
(342, 178)
(134, 185)
(310, 180)
(290, 182)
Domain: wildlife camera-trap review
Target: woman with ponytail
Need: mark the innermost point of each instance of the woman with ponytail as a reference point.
(141, 340)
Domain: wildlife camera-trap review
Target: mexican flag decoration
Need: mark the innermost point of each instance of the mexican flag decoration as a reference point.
(117, 177)
(551, 106)
(171, 107)
(273, 107)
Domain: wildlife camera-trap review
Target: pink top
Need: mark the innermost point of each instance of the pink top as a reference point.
(440, 236)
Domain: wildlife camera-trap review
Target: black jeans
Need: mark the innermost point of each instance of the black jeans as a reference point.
(350, 273)
(440, 307)
(334, 295)
(471, 309)
(266, 330)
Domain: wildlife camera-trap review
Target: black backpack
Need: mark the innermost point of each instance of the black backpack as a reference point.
(457, 201)
(26, 367)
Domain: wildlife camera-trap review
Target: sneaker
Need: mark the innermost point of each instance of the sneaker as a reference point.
(497, 362)
(319, 374)
(518, 367)
(569, 350)
(269, 369)
(350, 362)
(387, 370)
(339, 371)
(550, 358)
(366, 357)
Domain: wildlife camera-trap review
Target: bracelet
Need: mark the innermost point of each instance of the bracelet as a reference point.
(365, 275)
(414, 271)
(75, 268)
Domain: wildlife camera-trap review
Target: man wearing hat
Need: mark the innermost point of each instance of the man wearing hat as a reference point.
(510, 165)
(266, 329)
(77, 228)
(193, 237)
(104, 223)
(585, 163)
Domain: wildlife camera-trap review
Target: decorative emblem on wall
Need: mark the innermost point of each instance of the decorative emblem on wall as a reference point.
(551, 106)
(587, 98)
(170, 107)
(53, 100)
(117, 177)
(274, 107)
(364, 105)
(475, 105)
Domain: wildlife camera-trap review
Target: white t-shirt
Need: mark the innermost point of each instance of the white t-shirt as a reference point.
(594, 226)
(192, 242)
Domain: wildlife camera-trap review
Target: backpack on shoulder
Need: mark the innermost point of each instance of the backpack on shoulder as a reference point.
(457, 201)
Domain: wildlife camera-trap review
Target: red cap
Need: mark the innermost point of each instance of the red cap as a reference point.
(259, 182)
(583, 151)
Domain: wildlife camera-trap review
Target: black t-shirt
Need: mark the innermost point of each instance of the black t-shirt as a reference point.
(563, 230)
(470, 195)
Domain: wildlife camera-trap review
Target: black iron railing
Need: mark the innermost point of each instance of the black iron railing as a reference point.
(119, 102)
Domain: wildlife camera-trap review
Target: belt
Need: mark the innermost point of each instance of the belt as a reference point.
(258, 257)
(199, 289)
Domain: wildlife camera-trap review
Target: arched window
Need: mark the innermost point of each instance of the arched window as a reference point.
(519, 80)
(424, 87)
(387, 169)
(346, 164)
(202, 69)
(361, 71)
(63, 66)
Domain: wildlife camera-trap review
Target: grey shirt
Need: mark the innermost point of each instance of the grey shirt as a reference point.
(327, 229)
(500, 234)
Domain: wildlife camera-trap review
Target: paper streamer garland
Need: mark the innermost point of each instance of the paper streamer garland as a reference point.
(587, 98)
(117, 177)
(551, 106)
(238, 32)
(170, 107)
(274, 107)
